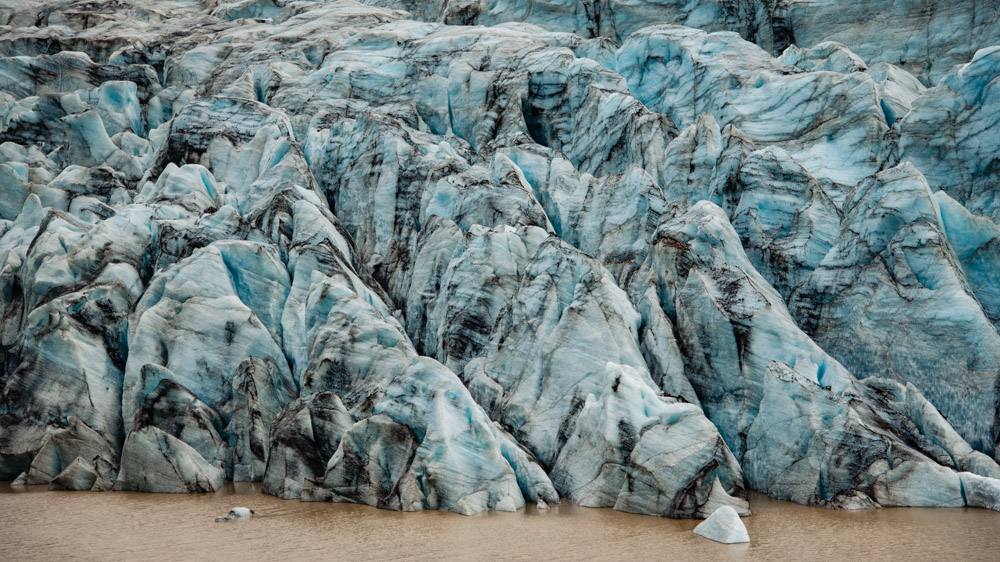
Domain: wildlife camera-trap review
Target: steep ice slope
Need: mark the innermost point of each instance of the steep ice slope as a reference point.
(566, 374)
(924, 37)
(830, 122)
(951, 136)
(361, 257)
(802, 427)
(891, 295)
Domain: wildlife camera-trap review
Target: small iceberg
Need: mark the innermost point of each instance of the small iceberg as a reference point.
(723, 525)
(236, 513)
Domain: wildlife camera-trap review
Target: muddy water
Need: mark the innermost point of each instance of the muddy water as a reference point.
(40, 525)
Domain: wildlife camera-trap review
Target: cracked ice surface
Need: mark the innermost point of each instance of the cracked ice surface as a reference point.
(465, 255)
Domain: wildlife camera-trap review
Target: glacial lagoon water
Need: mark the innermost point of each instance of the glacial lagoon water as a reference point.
(36, 524)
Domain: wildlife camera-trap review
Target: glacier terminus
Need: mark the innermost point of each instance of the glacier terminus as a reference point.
(471, 255)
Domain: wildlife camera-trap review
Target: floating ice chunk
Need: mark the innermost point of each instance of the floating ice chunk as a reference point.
(724, 525)
(236, 513)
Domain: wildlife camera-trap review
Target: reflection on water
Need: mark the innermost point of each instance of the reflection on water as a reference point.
(43, 525)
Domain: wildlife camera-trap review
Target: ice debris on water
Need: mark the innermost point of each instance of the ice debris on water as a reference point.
(236, 513)
(723, 525)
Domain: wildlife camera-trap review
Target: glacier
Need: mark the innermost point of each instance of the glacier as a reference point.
(468, 255)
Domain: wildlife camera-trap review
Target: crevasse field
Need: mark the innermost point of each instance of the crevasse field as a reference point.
(468, 254)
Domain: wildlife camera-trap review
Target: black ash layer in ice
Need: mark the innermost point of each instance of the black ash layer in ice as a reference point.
(391, 257)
